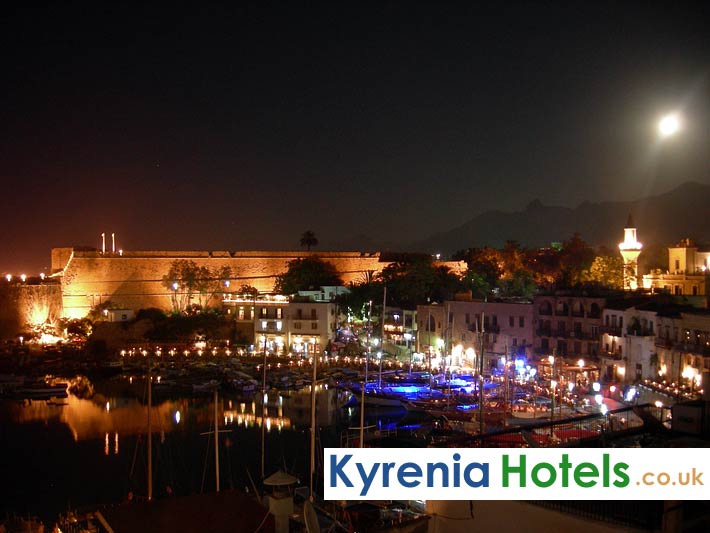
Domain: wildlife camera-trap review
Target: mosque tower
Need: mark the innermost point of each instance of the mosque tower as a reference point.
(630, 250)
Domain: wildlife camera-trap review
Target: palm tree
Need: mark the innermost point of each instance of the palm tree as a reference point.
(309, 239)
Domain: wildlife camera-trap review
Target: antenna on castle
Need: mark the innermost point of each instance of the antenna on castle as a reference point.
(113, 243)
(103, 243)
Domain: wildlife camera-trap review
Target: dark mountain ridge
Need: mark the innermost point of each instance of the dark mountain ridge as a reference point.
(662, 219)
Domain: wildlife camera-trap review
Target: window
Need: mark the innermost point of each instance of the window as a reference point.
(314, 315)
(468, 318)
(279, 313)
(511, 321)
(451, 317)
(314, 325)
(677, 265)
(299, 313)
(240, 315)
(595, 331)
(621, 321)
(264, 312)
(515, 341)
(695, 290)
(296, 325)
(521, 321)
(577, 347)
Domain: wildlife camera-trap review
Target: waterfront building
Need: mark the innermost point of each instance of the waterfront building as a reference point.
(628, 340)
(683, 345)
(277, 325)
(567, 323)
(454, 327)
(688, 272)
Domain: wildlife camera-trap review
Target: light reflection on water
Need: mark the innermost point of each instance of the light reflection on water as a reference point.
(92, 419)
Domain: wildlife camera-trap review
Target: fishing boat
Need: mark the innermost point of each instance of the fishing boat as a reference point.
(42, 389)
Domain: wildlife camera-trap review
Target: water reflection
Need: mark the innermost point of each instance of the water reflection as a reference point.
(106, 418)
(87, 419)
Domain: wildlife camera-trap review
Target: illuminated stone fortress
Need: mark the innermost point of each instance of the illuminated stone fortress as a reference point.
(134, 279)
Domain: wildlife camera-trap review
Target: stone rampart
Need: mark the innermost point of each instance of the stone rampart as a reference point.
(133, 280)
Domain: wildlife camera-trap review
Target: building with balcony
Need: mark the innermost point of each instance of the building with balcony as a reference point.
(688, 272)
(568, 324)
(628, 336)
(683, 346)
(455, 326)
(274, 323)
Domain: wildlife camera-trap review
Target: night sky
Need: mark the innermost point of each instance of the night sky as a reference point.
(239, 128)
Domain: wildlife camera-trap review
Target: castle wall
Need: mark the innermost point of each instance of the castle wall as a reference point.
(133, 280)
(23, 306)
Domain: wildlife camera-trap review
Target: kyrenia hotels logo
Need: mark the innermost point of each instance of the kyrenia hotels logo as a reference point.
(515, 474)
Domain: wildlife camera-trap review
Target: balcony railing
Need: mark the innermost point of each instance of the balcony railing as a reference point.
(663, 343)
(639, 332)
(692, 348)
(612, 330)
(488, 328)
(612, 355)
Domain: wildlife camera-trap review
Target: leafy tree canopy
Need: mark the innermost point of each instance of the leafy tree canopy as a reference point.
(606, 271)
(418, 281)
(187, 281)
(307, 273)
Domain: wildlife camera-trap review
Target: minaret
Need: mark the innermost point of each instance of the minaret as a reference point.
(630, 250)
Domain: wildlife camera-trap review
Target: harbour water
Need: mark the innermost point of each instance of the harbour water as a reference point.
(71, 453)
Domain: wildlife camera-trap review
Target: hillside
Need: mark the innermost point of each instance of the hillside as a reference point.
(661, 219)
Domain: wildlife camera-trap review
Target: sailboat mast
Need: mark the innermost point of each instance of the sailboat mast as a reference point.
(150, 433)
(263, 412)
(313, 426)
(480, 374)
(382, 353)
(216, 440)
(367, 353)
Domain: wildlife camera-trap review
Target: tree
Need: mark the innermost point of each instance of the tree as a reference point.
(576, 256)
(307, 273)
(186, 281)
(544, 264)
(248, 291)
(607, 271)
(417, 281)
(488, 263)
(520, 284)
(308, 239)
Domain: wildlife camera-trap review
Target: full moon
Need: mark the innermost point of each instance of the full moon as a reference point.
(669, 125)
